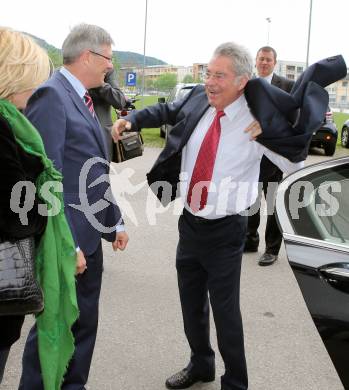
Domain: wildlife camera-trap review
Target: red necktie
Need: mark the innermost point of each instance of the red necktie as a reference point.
(204, 164)
(89, 103)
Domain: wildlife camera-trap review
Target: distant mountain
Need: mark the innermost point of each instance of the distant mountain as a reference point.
(128, 58)
(125, 58)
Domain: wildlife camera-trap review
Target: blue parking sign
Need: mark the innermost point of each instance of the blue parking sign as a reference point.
(131, 79)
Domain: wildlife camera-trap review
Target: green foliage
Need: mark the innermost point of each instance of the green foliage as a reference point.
(165, 82)
(188, 79)
(55, 56)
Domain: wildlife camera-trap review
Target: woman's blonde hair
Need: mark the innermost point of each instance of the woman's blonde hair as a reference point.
(24, 65)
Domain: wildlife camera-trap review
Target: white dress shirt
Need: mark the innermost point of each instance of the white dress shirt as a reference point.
(267, 78)
(234, 183)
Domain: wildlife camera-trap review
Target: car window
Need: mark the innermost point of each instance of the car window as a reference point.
(172, 95)
(318, 205)
(183, 92)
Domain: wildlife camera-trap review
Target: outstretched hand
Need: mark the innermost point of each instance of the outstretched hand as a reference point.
(119, 127)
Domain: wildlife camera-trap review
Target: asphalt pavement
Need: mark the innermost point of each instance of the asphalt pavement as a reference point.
(141, 341)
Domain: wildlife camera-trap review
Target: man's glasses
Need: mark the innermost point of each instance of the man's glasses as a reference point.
(101, 55)
(215, 76)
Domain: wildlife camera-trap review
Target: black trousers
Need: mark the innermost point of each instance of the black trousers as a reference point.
(270, 177)
(88, 288)
(4, 352)
(208, 267)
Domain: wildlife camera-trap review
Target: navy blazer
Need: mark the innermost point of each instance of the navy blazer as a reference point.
(71, 137)
(276, 109)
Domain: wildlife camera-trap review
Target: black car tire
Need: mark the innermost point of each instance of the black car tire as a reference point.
(345, 137)
(330, 149)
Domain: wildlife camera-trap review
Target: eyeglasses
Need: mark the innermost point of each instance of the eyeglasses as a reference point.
(101, 55)
(216, 76)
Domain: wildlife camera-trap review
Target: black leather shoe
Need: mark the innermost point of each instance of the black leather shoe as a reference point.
(267, 259)
(186, 378)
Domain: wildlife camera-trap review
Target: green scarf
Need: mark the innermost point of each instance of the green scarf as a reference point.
(55, 263)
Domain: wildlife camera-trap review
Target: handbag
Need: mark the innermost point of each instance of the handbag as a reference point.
(130, 145)
(20, 292)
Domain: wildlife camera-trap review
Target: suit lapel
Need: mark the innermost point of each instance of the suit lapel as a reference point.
(181, 133)
(276, 81)
(81, 107)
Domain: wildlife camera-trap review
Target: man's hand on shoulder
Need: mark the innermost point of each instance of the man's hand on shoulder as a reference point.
(254, 129)
(119, 127)
(120, 241)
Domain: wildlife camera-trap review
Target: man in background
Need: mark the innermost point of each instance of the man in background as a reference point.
(104, 98)
(270, 175)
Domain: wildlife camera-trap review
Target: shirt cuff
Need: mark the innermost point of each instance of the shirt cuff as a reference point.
(120, 228)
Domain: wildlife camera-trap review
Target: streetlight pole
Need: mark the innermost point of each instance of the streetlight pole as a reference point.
(268, 29)
(309, 29)
(144, 45)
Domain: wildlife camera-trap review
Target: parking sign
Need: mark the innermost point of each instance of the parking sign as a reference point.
(131, 79)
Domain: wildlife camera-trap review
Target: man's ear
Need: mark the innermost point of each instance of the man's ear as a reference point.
(85, 56)
(242, 82)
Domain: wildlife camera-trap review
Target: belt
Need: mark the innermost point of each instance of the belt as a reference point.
(204, 221)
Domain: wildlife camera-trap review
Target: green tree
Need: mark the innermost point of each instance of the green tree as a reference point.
(165, 82)
(188, 78)
(55, 56)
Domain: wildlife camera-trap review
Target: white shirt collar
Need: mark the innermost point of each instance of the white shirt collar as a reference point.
(268, 78)
(232, 110)
(74, 81)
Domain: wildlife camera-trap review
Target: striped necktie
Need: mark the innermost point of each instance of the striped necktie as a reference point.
(89, 103)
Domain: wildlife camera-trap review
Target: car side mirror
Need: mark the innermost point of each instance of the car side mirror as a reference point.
(161, 100)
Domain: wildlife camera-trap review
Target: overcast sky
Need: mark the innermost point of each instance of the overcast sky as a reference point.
(181, 32)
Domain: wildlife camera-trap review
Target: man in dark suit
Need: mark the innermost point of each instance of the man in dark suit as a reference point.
(270, 175)
(104, 98)
(62, 111)
(210, 149)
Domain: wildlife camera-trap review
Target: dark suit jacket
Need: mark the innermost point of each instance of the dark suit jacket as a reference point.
(276, 109)
(71, 137)
(268, 169)
(282, 82)
(270, 105)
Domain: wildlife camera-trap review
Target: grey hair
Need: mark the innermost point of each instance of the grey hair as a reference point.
(241, 58)
(84, 37)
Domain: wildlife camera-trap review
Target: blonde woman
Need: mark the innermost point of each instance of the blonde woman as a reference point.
(23, 67)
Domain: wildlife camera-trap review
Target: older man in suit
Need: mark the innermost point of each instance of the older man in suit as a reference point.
(212, 157)
(62, 111)
(210, 149)
(270, 175)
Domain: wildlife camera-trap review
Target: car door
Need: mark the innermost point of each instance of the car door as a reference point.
(313, 213)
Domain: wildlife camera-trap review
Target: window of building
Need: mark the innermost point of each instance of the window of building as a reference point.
(299, 69)
(344, 83)
(290, 67)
